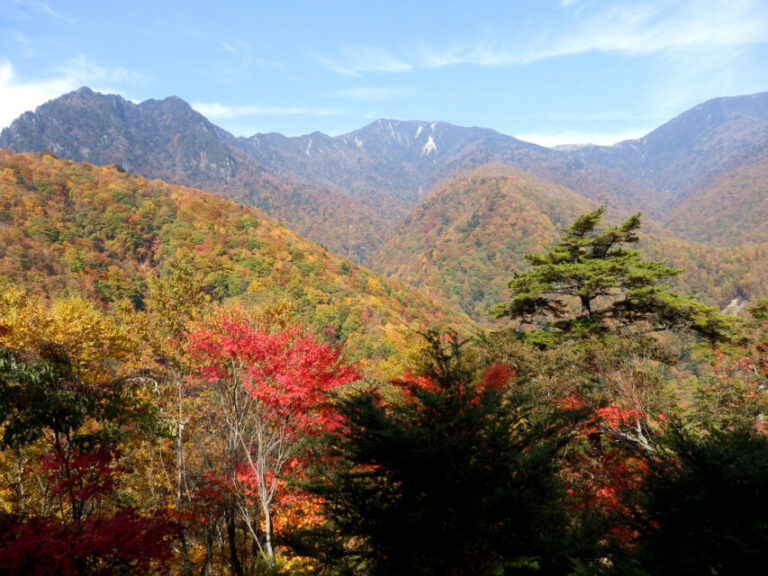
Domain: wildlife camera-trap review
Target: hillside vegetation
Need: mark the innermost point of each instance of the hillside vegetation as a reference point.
(75, 228)
(174, 398)
(463, 242)
(731, 210)
(169, 140)
(188, 386)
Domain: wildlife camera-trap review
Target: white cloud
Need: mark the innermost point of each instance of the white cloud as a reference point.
(19, 96)
(6, 72)
(356, 60)
(24, 6)
(219, 111)
(628, 27)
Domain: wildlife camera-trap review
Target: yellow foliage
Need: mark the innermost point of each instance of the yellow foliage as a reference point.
(92, 340)
(298, 566)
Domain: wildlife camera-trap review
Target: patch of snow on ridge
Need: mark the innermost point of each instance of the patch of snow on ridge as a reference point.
(429, 147)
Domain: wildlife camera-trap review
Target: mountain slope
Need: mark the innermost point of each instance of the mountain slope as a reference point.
(731, 210)
(350, 192)
(392, 164)
(463, 243)
(167, 139)
(346, 193)
(70, 227)
(688, 152)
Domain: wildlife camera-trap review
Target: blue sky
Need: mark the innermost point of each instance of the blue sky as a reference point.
(557, 71)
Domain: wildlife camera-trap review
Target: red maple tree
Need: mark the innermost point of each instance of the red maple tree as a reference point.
(273, 389)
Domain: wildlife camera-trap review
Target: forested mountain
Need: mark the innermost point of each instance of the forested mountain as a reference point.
(79, 229)
(167, 139)
(731, 209)
(465, 241)
(393, 164)
(687, 153)
(329, 189)
(348, 192)
(402, 197)
(682, 164)
(345, 192)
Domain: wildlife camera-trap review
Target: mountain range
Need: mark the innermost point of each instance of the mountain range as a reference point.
(449, 209)
(684, 155)
(167, 139)
(391, 165)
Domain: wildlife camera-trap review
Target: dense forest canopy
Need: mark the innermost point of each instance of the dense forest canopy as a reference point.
(187, 387)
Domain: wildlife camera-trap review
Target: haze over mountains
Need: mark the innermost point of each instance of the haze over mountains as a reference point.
(418, 201)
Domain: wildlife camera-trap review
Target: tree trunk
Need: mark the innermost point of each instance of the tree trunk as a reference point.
(208, 557)
(268, 551)
(22, 490)
(180, 475)
(185, 553)
(586, 306)
(237, 569)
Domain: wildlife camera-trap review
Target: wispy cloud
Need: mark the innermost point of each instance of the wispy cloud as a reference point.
(478, 54)
(356, 60)
(242, 52)
(219, 111)
(236, 47)
(22, 95)
(663, 26)
(620, 26)
(23, 8)
(626, 27)
(82, 70)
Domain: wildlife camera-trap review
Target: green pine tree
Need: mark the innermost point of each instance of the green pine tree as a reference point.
(592, 281)
(453, 478)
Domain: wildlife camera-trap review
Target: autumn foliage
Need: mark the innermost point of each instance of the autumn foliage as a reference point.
(289, 372)
(274, 389)
(57, 427)
(188, 388)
